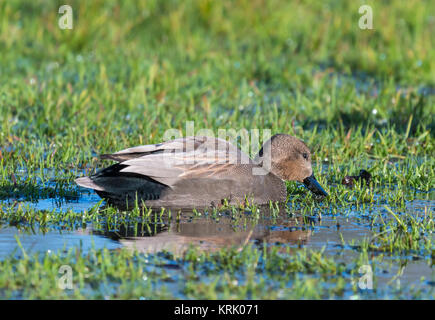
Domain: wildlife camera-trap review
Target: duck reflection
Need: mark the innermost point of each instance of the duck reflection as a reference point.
(210, 233)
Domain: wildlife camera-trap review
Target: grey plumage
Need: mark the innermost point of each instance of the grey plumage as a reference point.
(186, 172)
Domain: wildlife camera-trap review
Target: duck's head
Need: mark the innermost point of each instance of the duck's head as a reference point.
(289, 159)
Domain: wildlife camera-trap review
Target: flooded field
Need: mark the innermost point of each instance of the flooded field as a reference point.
(283, 229)
(134, 73)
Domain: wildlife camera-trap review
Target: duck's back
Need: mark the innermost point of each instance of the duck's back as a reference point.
(185, 172)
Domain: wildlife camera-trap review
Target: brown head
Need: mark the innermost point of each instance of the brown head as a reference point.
(289, 159)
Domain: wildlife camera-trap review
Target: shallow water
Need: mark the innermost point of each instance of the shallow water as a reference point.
(212, 233)
(79, 204)
(52, 241)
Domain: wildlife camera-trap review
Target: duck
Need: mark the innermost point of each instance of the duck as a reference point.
(201, 171)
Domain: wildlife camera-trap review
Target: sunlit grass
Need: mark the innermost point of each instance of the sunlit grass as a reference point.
(128, 71)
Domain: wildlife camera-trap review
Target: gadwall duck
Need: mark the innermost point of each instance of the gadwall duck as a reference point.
(202, 172)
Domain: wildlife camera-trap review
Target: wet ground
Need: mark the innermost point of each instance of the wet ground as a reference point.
(334, 234)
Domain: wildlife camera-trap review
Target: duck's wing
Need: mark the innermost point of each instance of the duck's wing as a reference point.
(176, 145)
(168, 162)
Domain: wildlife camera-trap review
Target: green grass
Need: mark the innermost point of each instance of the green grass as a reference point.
(230, 274)
(128, 71)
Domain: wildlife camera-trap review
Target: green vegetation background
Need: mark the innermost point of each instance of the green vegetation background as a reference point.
(130, 70)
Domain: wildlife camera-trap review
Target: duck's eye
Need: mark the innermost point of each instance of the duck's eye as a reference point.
(305, 155)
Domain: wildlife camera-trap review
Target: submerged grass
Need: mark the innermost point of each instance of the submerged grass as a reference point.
(128, 71)
(230, 274)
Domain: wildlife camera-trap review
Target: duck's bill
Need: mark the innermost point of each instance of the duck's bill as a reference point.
(314, 186)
